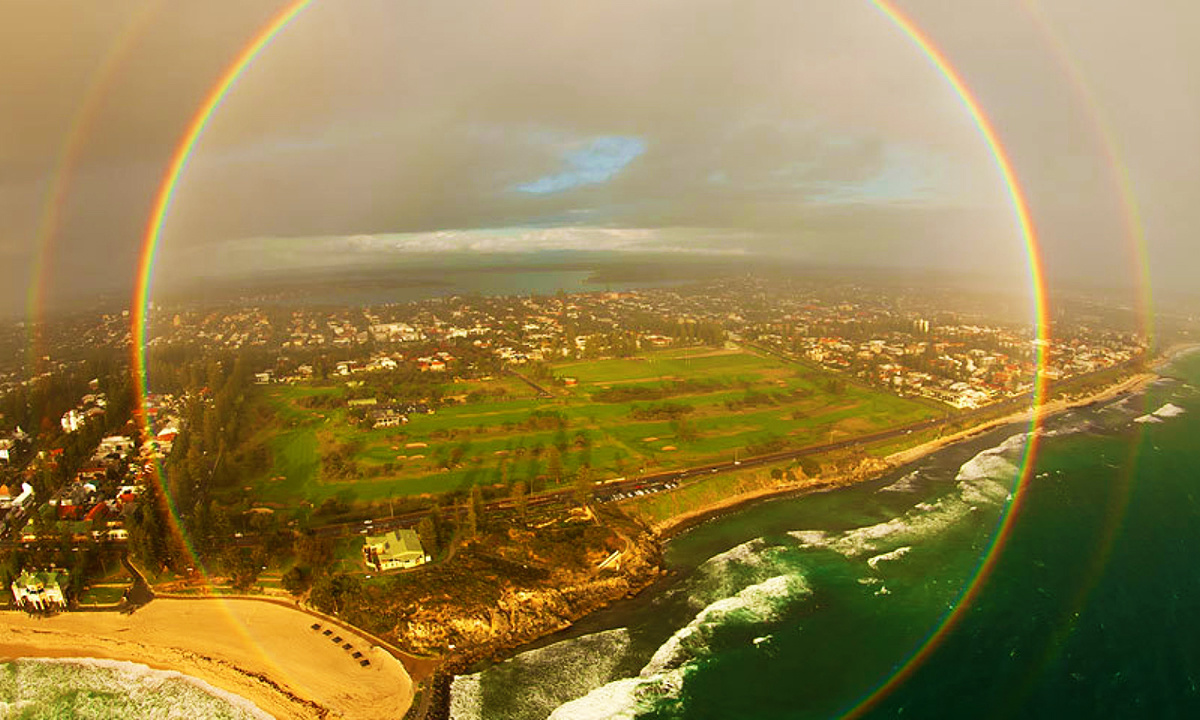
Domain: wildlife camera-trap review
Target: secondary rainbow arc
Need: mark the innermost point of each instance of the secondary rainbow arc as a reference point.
(65, 163)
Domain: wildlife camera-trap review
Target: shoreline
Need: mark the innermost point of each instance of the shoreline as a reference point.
(667, 529)
(262, 653)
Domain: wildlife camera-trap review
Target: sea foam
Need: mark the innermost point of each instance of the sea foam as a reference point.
(1169, 410)
(906, 484)
(91, 687)
(888, 556)
(984, 480)
(565, 670)
(664, 674)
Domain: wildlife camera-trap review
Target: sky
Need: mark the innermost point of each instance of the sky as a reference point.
(371, 131)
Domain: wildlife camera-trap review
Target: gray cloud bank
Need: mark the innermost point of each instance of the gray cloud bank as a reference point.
(815, 130)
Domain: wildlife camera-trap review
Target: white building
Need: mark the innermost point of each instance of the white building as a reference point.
(40, 591)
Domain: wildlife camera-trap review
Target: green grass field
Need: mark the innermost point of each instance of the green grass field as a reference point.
(730, 401)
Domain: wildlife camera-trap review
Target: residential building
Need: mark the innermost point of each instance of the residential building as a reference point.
(396, 549)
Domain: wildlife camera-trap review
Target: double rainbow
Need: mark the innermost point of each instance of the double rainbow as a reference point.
(179, 160)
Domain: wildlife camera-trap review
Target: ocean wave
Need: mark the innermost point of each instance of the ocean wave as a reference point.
(888, 556)
(1070, 429)
(622, 699)
(910, 527)
(747, 554)
(984, 480)
(754, 604)
(906, 484)
(1169, 410)
(466, 697)
(564, 670)
(92, 687)
(663, 676)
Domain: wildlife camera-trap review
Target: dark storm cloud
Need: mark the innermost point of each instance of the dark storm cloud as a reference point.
(811, 129)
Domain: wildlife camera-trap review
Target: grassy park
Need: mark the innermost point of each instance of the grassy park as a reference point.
(612, 417)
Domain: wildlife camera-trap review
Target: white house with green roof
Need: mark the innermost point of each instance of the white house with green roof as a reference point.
(40, 590)
(396, 549)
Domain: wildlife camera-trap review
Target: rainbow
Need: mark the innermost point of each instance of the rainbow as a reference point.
(259, 42)
(50, 217)
(1118, 170)
(162, 204)
(975, 584)
(1135, 233)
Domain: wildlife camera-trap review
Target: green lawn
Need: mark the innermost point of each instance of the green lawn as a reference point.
(736, 400)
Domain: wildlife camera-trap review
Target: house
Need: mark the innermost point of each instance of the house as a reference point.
(397, 549)
(26, 493)
(72, 420)
(387, 418)
(264, 378)
(115, 445)
(40, 591)
(5, 497)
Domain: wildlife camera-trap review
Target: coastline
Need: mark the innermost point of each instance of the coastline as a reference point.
(273, 659)
(261, 652)
(666, 529)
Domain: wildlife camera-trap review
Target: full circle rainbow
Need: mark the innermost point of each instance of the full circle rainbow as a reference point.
(183, 151)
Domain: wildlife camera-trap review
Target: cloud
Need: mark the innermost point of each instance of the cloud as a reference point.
(811, 128)
(595, 163)
(249, 256)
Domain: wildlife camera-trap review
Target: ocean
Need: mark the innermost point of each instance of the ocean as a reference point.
(45, 689)
(413, 287)
(806, 607)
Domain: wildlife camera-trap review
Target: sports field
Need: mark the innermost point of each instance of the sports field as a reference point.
(619, 417)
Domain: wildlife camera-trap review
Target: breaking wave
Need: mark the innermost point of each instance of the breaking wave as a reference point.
(906, 484)
(742, 593)
(984, 480)
(565, 670)
(888, 556)
(1169, 410)
(663, 676)
(94, 688)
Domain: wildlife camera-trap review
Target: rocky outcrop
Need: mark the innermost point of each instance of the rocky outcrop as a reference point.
(520, 612)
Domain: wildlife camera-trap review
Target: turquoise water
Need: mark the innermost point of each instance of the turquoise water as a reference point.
(802, 608)
(34, 689)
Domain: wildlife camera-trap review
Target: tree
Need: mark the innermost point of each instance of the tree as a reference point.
(296, 580)
(332, 593)
(583, 484)
(440, 530)
(428, 535)
(243, 566)
(520, 500)
(314, 551)
(554, 465)
(474, 513)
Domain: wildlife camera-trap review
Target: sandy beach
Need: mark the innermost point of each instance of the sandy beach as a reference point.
(822, 483)
(266, 653)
